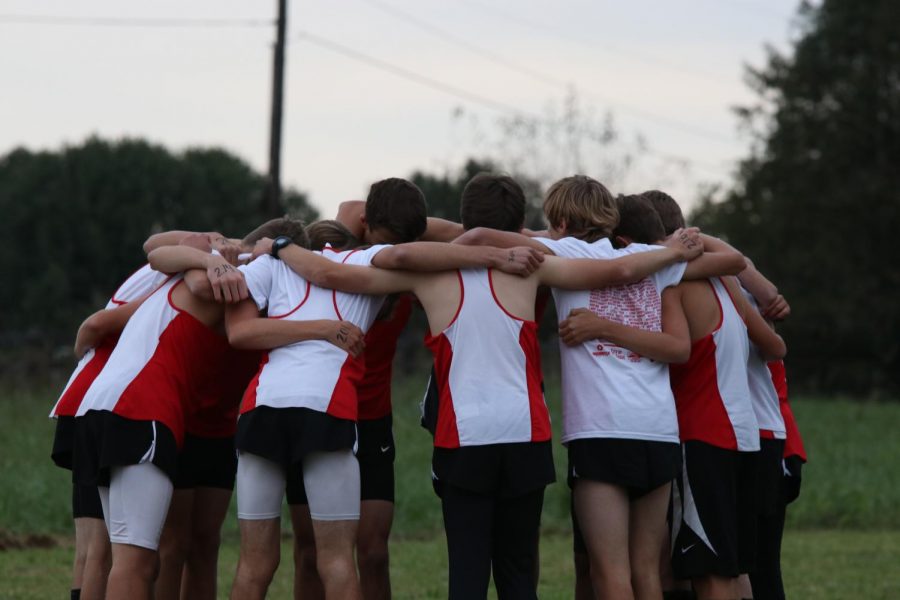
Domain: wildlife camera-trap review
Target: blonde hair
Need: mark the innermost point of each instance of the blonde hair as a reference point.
(587, 207)
(330, 232)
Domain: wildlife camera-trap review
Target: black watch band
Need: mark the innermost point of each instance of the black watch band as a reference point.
(280, 242)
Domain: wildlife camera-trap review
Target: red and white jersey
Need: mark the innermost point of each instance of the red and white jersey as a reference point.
(215, 413)
(381, 344)
(609, 391)
(711, 389)
(314, 374)
(162, 361)
(487, 366)
(793, 444)
(762, 390)
(139, 284)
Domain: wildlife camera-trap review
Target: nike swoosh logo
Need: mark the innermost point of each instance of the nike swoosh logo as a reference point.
(385, 448)
(685, 550)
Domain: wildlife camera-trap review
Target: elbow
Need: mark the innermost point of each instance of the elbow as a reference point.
(472, 237)
(624, 274)
(682, 353)
(737, 263)
(238, 338)
(779, 351)
(398, 257)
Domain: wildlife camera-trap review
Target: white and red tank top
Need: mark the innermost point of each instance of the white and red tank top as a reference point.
(163, 359)
(487, 367)
(313, 374)
(793, 444)
(712, 394)
(609, 391)
(381, 345)
(762, 390)
(137, 285)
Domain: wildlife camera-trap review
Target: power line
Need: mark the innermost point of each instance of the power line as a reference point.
(640, 57)
(547, 78)
(152, 22)
(463, 93)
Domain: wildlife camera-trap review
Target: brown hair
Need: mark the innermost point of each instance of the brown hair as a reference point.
(638, 220)
(667, 208)
(330, 232)
(286, 226)
(398, 206)
(495, 201)
(586, 206)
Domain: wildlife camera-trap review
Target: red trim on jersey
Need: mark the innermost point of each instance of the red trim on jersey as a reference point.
(71, 398)
(249, 401)
(766, 434)
(293, 310)
(349, 254)
(344, 402)
(113, 299)
(701, 411)
(730, 297)
(540, 416)
(446, 434)
(497, 300)
(793, 444)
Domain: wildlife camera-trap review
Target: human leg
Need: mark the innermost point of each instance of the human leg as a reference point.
(468, 523)
(174, 544)
(331, 480)
(93, 554)
(139, 497)
(260, 489)
(603, 513)
(375, 519)
(307, 584)
(198, 581)
(647, 532)
(517, 523)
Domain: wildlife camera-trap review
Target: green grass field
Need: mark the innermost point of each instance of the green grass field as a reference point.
(843, 538)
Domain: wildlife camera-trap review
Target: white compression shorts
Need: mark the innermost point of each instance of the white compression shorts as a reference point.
(135, 504)
(331, 480)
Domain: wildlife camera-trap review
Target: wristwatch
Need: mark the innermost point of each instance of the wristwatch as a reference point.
(280, 242)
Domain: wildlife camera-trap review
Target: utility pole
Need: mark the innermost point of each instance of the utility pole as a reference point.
(272, 198)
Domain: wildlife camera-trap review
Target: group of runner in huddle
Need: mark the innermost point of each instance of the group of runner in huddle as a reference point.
(264, 364)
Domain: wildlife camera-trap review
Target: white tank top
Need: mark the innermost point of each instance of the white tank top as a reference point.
(314, 374)
(137, 285)
(762, 390)
(488, 372)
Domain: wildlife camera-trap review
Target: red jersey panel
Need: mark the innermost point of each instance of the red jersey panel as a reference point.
(374, 390)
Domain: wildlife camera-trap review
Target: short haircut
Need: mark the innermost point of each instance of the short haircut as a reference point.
(586, 206)
(667, 208)
(398, 206)
(638, 220)
(283, 226)
(494, 201)
(330, 232)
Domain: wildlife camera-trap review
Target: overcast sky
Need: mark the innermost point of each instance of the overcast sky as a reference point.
(668, 71)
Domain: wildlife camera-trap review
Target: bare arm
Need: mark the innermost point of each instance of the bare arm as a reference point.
(482, 236)
(175, 237)
(769, 343)
(714, 264)
(102, 324)
(225, 282)
(441, 230)
(354, 279)
(671, 345)
(592, 273)
(438, 256)
(248, 331)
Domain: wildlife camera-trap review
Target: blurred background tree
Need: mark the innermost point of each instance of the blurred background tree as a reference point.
(73, 222)
(816, 203)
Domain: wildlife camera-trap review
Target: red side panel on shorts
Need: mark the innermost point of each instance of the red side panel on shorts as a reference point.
(446, 434)
(73, 395)
(701, 410)
(185, 358)
(540, 416)
(381, 345)
(344, 403)
(793, 444)
(249, 402)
